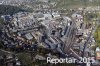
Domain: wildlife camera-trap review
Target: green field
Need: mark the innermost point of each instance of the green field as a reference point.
(97, 36)
(76, 3)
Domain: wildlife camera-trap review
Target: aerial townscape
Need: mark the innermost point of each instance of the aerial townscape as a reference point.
(63, 30)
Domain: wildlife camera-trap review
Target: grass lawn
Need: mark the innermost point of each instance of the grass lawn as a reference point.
(76, 3)
(97, 36)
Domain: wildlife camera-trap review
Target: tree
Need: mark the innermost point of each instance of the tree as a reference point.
(25, 58)
(10, 10)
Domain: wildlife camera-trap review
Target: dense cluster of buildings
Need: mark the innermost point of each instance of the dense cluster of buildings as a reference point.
(34, 3)
(37, 27)
(67, 35)
(27, 31)
(48, 29)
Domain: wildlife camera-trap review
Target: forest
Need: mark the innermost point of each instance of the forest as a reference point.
(10, 10)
